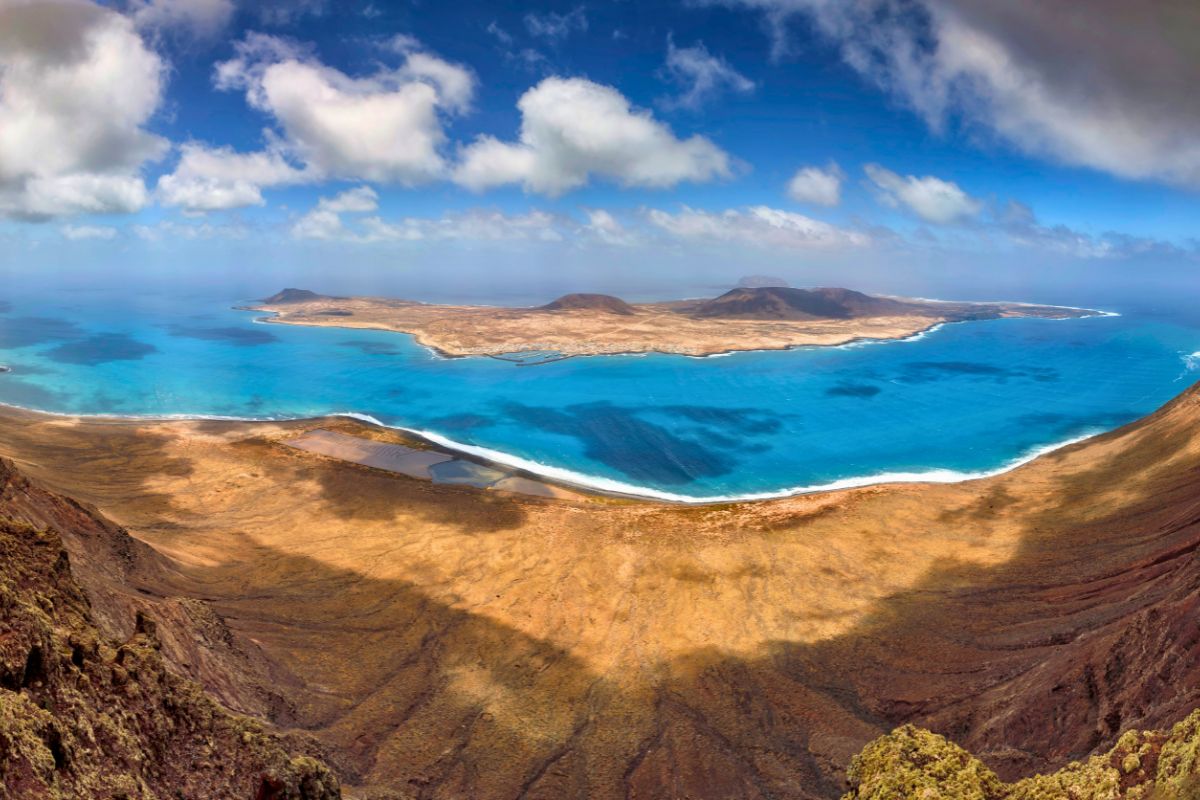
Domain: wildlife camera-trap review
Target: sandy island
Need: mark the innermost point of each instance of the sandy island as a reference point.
(771, 318)
(443, 641)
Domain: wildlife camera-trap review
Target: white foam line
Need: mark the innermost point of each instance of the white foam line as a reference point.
(1022, 303)
(581, 480)
(610, 485)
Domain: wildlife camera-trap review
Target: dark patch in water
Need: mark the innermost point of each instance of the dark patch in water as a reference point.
(29, 331)
(618, 437)
(241, 337)
(929, 371)
(863, 390)
(752, 421)
(367, 347)
(20, 393)
(462, 422)
(5, 306)
(101, 348)
(104, 403)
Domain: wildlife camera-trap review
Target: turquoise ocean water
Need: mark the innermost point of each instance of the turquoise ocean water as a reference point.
(964, 399)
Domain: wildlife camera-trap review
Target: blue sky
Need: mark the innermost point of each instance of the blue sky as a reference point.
(615, 142)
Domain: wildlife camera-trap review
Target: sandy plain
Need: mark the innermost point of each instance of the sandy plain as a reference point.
(456, 330)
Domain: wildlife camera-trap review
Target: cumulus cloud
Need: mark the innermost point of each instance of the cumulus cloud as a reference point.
(77, 87)
(325, 221)
(217, 178)
(204, 18)
(556, 27)
(820, 186)
(700, 75)
(385, 127)
(476, 225)
(758, 226)
(602, 226)
(1105, 84)
(80, 232)
(932, 199)
(572, 129)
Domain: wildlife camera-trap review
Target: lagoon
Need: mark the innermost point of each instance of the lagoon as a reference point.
(965, 399)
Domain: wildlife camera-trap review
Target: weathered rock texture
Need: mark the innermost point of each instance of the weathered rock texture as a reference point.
(83, 715)
(913, 763)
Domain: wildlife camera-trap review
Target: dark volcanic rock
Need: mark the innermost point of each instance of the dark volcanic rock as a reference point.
(88, 715)
(590, 302)
(780, 302)
(294, 296)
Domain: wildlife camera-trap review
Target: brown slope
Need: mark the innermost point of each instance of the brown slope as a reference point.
(447, 643)
(288, 296)
(783, 303)
(120, 576)
(590, 302)
(83, 715)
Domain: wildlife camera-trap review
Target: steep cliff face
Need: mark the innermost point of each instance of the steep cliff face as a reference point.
(914, 763)
(84, 715)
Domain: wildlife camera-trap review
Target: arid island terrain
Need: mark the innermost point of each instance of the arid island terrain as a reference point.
(423, 640)
(745, 318)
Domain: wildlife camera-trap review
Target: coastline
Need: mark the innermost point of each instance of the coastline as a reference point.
(854, 341)
(858, 341)
(601, 486)
(667, 328)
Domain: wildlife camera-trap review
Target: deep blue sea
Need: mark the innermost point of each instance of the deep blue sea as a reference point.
(965, 399)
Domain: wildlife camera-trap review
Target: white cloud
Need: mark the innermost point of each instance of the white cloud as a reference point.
(204, 18)
(504, 37)
(603, 226)
(77, 86)
(80, 232)
(385, 127)
(325, 220)
(571, 129)
(212, 179)
(358, 200)
(758, 226)
(477, 225)
(1104, 84)
(932, 199)
(701, 75)
(556, 27)
(816, 185)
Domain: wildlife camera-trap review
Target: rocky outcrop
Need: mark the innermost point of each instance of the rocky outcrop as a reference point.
(294, 296)
(783, 303)
(86, 715)
(911, 762)
(590, 302)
